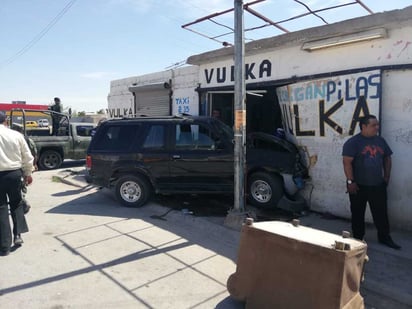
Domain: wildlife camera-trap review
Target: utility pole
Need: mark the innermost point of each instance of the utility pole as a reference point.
(240, 108)
(236, 216)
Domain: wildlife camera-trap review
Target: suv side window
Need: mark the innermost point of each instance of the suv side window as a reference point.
(195, 136)
(117, 138)
(155, 138)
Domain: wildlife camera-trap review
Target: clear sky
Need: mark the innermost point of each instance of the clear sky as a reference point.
(74, 48)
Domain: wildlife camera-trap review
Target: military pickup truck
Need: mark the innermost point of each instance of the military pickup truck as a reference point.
(69, 141)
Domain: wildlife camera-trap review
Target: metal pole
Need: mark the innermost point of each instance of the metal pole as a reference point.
(240, 109)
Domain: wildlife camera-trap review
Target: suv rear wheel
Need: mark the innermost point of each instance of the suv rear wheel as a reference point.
(265, 190)
(132, 190)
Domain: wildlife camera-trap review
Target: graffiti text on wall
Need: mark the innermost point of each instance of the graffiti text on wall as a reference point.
(183, 105)
(348, 89)
(309, 108)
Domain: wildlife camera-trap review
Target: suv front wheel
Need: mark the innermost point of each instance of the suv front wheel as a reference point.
(132, 191)
(265, 190)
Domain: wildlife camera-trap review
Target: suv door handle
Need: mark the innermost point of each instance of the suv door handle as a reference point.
(176, 157)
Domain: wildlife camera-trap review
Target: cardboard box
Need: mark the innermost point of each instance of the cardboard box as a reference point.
(284, 265)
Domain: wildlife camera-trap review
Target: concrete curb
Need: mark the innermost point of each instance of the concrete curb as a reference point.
(74, 177)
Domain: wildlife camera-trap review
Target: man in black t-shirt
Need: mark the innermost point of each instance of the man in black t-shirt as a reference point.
(367, 165)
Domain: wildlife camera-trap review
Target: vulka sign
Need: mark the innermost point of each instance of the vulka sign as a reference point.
(223, 75)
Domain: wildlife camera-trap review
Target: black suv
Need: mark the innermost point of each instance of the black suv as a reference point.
(189, 154)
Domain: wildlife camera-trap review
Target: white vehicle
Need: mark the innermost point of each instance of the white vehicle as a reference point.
(43, 122)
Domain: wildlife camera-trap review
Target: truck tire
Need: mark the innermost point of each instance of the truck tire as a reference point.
(50, 159)
(132, 191)
(265, 190)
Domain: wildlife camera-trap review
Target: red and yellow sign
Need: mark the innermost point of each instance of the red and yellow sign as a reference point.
(7, 107)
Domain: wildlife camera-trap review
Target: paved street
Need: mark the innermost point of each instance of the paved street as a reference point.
(85, 251)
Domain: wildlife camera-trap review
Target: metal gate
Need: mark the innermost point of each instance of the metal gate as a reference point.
(152, 99)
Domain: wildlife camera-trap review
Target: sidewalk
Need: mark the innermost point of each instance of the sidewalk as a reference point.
(388, 273)
(86, 251)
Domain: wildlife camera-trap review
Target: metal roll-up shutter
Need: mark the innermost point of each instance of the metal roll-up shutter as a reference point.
(152, 99)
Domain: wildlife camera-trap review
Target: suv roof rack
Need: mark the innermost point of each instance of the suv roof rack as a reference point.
(134, 116)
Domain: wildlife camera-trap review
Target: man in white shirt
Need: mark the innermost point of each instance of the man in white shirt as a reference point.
(16, 162)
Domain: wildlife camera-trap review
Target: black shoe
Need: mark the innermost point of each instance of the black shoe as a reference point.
(390, 243)
(4, 252)
(18, 241)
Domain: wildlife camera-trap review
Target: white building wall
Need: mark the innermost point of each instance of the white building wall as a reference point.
(326, 192)
(185, 98)
(120, 99)
(292, 61)
(396, 126)
(286, 61)
(184, 81)
(321, 121)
